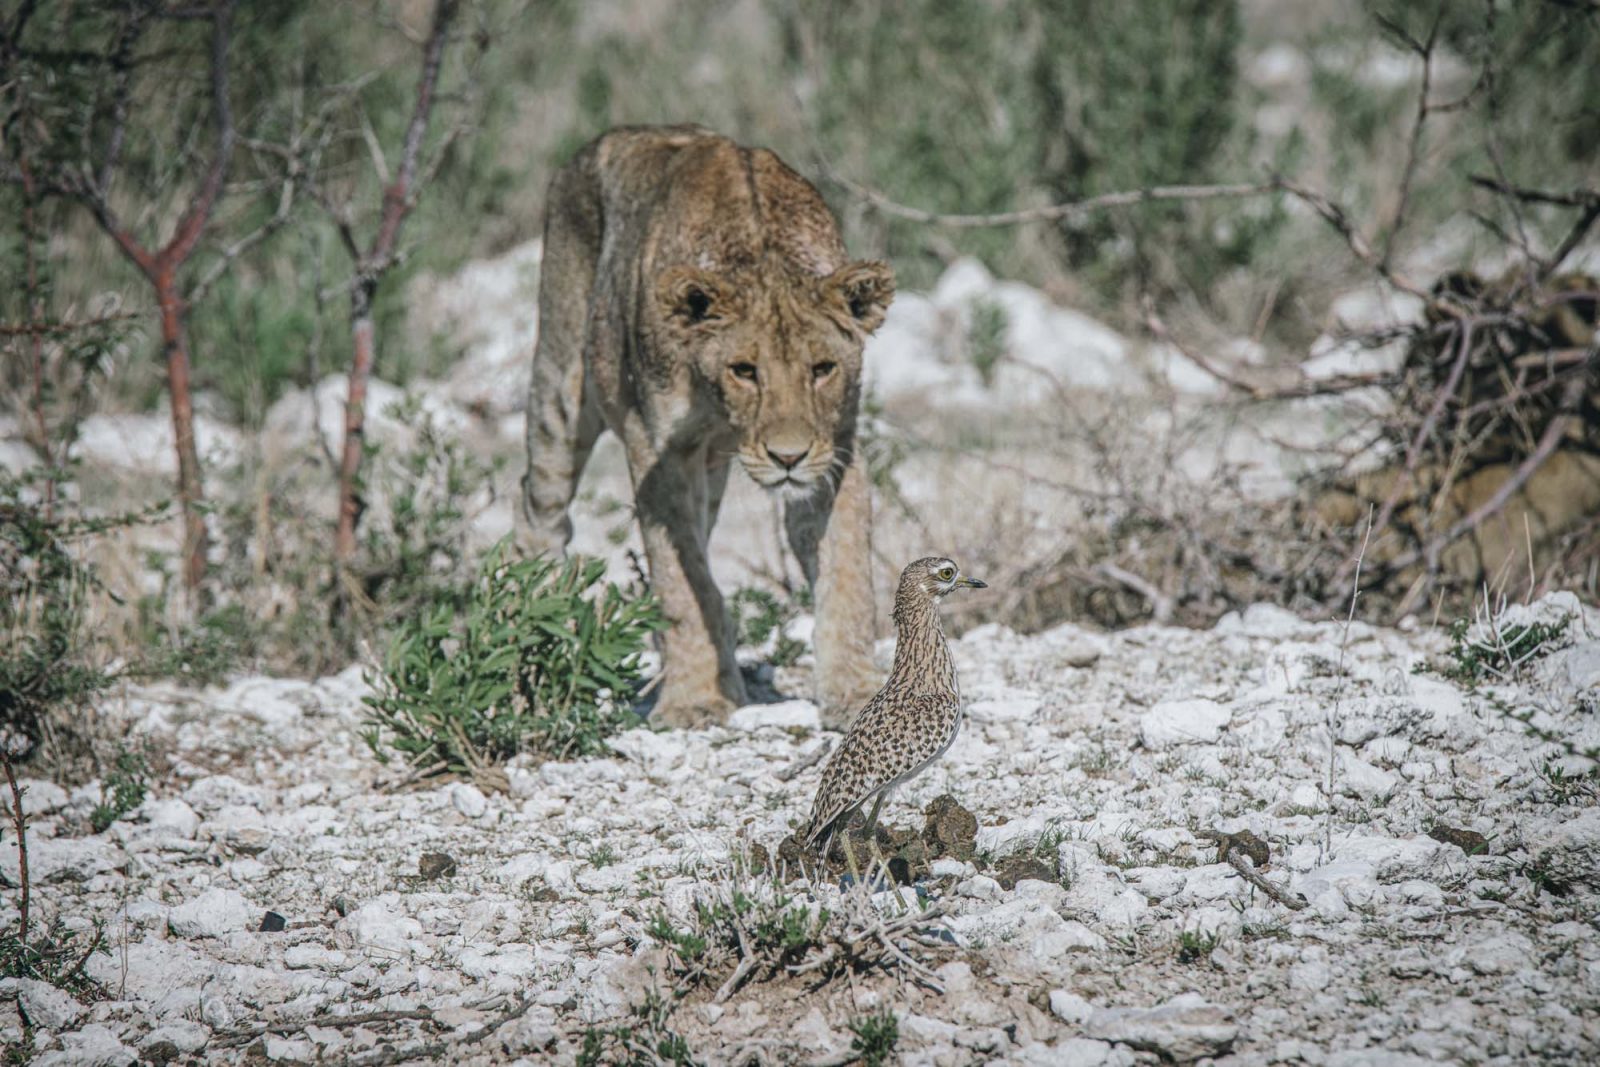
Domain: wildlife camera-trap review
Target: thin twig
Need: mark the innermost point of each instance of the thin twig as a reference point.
(20, 821)
(1049, 212)
(1247, 870)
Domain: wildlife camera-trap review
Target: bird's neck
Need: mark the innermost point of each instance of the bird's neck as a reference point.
(922, 661)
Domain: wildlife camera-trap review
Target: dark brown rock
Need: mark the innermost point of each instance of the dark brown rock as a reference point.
(436, 865)
(1253, 848)
(1019, 866)
(1469, 841)
(950, 829)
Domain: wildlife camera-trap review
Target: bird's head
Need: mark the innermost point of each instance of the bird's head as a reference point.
(932, 579)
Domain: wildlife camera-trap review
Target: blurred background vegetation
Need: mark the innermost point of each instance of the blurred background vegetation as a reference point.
(949, 105)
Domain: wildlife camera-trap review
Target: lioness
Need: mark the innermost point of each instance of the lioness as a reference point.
(696, 298)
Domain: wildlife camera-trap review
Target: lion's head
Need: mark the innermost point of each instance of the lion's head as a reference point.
(778, 351)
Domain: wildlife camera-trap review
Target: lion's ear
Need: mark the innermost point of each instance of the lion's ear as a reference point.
(865, 289)
(689, 296)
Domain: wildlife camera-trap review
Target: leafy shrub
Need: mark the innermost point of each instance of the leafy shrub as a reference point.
(48, 659)
(536, 658)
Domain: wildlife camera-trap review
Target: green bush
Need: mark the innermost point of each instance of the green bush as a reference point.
(538, 658)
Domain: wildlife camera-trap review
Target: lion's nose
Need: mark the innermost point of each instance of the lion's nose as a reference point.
(787, 460)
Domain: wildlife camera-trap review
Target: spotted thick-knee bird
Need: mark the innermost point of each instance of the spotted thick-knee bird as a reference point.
(911, 721)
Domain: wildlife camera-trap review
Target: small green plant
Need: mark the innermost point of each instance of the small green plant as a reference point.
(748, 928)
(1567, 786)
(540, 657)
(1195, 946)
(123, 790)
(686, 943)
(875, 1037)
(650, 1040)
(1498, 652)
(986, 338)
(603, 856)
(58, 957)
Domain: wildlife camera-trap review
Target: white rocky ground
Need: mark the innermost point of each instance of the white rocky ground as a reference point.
(1112, 757)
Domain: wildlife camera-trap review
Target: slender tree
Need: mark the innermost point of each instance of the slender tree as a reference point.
(374, 259)
(90, 183)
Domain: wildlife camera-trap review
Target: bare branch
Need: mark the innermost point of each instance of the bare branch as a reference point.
(1424, 50)
(1576, 198)
(396, 197)
(1052, 212)
(199, 211)
(121, 62)
(1552, 435)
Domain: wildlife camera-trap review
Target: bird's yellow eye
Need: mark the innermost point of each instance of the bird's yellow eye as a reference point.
(947, 573)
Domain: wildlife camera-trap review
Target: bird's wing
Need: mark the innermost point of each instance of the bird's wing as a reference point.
(880, 747)
(840, 789)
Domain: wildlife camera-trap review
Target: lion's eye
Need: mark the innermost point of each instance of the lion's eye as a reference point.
(821, 370)
(746, 371)
(946, 574)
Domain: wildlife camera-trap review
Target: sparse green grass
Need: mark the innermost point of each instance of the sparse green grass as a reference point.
(1195, 946)
(58, 957)
(603, 856)
(123, 790)
(746, 927)
(1568, 787)
(650, 1040)
(875, 1037)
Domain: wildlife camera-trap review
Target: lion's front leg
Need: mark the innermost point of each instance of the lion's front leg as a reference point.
(832, 537)
(700, 677)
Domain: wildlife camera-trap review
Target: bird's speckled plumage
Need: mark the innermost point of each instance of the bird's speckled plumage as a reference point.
(913, 719)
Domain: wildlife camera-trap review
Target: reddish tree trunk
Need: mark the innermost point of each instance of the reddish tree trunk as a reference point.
(355, 416)
(191, 494)
(370, 268)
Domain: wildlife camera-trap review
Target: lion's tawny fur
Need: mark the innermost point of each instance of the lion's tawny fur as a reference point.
(696, 299)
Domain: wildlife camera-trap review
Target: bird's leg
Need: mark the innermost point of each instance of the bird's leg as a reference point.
(872, 820)
(850, 859)
(872, 826)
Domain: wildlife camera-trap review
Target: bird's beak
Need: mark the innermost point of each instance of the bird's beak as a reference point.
(973, 582)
